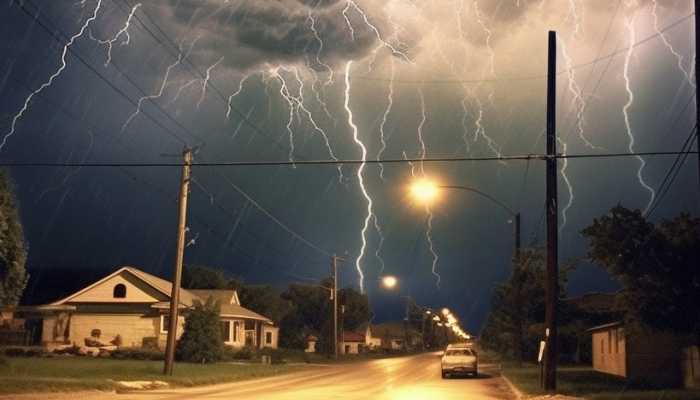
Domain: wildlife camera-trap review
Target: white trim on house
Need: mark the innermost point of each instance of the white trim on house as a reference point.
(162, 323)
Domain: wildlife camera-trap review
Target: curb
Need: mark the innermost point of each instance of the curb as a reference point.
(518, 393)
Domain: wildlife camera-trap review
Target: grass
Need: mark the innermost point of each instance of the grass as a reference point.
(584, 382)
(35, 374)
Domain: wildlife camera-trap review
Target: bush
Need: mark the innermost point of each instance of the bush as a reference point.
(24, 352)
(3, 362)
(137, 354)
(277, 356)
(201, 341)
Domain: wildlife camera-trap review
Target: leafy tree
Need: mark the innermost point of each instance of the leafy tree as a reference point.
(201, 341)
(357, 310)
(656, 265)
(265, 300)
(518, 305)
(203, 277)
(13, 253)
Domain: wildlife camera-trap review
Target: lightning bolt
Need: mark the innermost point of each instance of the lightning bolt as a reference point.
(123, 31)
(163, 84)
(360, 176)
(570, 188)
(234, 94)
(286, 95)
(577, 100)
(625, 111)
(385, 116)
(51, 79)
(372, 27)
(319, 50)
(421, 124)
(669, 46)
(575, 17)
(489, 34)
(205, 81)
(429, 238)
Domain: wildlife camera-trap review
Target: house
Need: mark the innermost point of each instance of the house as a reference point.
(371, 342)
(652, 357)
(352, 343)
(394, 335)
(134, 306)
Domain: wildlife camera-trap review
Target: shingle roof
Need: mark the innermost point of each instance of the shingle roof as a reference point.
(353, 337)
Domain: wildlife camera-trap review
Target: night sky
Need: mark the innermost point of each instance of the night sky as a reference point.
(467, 77)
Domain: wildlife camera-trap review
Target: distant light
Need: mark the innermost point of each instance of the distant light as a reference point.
(428, 312)
(445, 312)
(436, 318)
(389, 282)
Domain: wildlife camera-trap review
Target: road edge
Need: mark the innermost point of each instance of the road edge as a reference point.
(518, 394)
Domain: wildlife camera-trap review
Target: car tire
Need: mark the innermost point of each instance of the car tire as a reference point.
(444, 375)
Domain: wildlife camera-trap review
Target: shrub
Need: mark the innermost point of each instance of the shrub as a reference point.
(244, 353)
(3, 362)
(201, 341)
(24, 352)
(137, 354)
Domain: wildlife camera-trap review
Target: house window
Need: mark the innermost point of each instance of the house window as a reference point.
(226, 331)
(236, 326)
(164, 323)
(268, 337)
(119, 291)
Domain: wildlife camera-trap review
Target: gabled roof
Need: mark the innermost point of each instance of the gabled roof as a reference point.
(353, 337)
(222, 296)
(230, 304)
(605, 326)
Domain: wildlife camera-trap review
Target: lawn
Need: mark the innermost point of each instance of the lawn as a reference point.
(80, 373)
(584, 382)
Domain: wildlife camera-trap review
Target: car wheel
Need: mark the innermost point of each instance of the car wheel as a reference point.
(444, 375)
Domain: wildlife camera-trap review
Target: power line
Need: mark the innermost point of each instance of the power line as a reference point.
(531, 77)
(525, 157)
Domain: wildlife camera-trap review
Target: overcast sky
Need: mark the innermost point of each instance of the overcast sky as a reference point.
(465, 77)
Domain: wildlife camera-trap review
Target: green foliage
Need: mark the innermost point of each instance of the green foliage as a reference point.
(518, 305)
(13, 253)
(127, 353)
(656, 265)
(265, 300)
(203, 277)
(357, 310)
(201, 340)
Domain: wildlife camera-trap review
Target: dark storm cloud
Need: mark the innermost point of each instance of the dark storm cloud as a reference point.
(253, 33)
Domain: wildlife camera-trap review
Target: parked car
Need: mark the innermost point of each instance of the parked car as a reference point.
(459, 361)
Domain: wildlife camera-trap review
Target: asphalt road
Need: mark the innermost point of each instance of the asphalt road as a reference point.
(404, 378)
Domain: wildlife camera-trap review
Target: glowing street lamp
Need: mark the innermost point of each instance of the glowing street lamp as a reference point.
(389, 281)
(424, 191)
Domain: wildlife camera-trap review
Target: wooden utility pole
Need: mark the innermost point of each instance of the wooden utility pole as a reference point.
(697, 94)
(334, 296)
(177, 275)
(552, 286)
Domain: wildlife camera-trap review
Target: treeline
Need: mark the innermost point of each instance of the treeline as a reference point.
(299, 310)
(657, 267)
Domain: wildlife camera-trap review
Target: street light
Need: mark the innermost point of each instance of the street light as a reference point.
(427, 191)
(445, 312)
(389, 281)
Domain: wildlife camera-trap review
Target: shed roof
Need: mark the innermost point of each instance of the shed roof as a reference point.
(605, 326)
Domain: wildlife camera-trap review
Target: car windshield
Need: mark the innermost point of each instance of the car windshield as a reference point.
(460, 352)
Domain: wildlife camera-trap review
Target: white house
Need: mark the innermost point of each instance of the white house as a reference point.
(134, 305)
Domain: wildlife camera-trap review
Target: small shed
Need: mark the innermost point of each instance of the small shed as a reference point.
(651, 357)
(353, 343)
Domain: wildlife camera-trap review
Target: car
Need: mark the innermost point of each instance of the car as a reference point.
(459, 361)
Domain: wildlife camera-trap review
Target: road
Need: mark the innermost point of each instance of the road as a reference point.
(405, 378)
(401, 378)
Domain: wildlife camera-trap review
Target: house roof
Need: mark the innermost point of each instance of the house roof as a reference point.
(353, 337)
(605, 326)
(230, 305)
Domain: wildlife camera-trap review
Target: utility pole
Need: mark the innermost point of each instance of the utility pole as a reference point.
(334, 297)
(177, 275)
(552, 287)
(697, 95)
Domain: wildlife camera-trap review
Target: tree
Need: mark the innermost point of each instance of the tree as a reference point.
(13, 253)
(201, 341)
(265, 300)
(518, 305)
(357, 310)
(656, 265)
(203, 277)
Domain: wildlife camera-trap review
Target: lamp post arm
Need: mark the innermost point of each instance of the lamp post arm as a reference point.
(510, 211)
